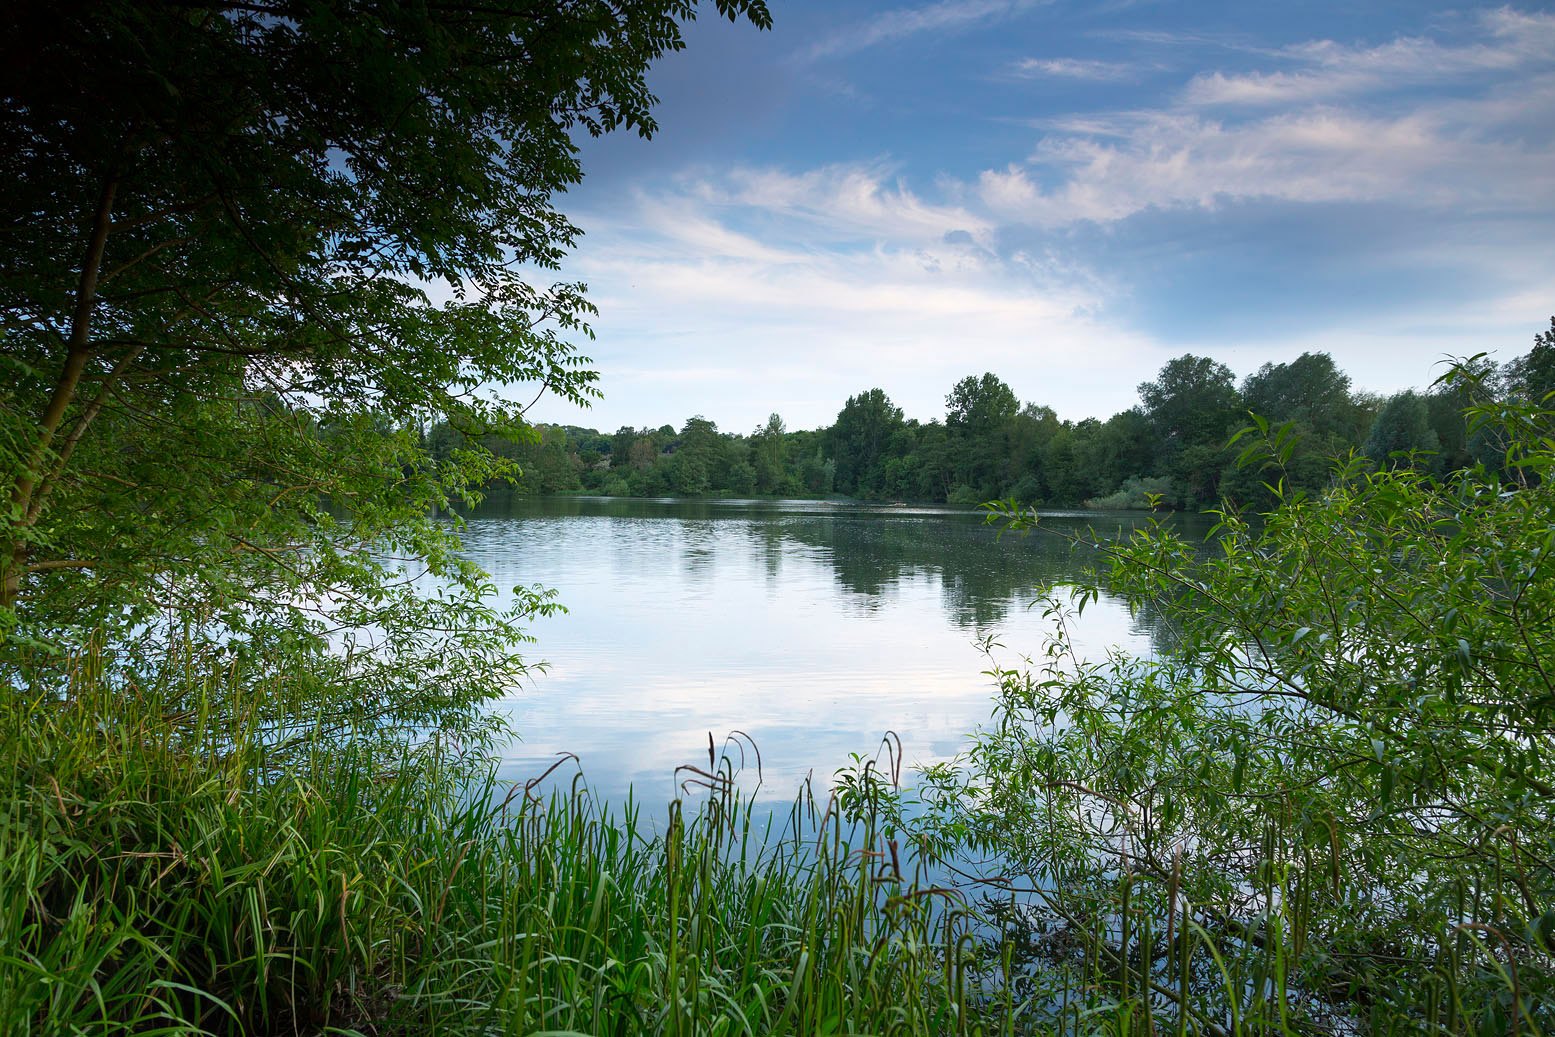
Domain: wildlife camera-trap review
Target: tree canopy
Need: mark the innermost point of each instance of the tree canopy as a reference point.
(859, 439)
(1172, 450)
(250, 248)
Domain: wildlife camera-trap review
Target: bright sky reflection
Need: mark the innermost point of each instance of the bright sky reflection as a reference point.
(814, 628)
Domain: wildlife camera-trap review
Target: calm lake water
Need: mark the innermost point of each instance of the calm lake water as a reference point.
(813, 627)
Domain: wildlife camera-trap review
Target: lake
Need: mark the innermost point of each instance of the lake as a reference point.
(813, 627)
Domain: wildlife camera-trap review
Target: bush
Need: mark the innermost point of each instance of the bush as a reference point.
(1138, 494)
(1332, 805)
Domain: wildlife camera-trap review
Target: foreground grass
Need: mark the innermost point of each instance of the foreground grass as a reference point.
(169, 865)
(178, 872)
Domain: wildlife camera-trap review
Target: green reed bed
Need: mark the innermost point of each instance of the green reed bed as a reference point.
(167, 866)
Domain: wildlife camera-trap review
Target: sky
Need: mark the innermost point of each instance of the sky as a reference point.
(1067, 194)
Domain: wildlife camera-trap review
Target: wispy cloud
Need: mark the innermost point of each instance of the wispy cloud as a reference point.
(1073, 68)
(910, 21)
(1324, 70)
(860, 203)
(1334, 130)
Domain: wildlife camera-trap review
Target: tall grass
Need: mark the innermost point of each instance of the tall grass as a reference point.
(169, 864)
(168, 867)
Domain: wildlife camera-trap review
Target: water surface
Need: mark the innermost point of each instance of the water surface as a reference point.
(813, 627)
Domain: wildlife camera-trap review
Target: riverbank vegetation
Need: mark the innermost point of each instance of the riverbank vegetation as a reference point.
(1171, 448)
(1340, 778)
(168, 866)
(1329, 811)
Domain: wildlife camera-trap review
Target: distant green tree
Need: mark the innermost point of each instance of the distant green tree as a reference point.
(976, 406)
(621, 446)
(695, 466)
(817, 473)
(1310, 390)
(1531, 377)
(1192, 401)
(1403, 425)
(1193, 407)
(546, 466)
(935, 463)
(769, 457)
(1313, 395)
(859, 439)
(1026, 434)
(979, 414)
(1127, 446)
(1446, 403)
(1068, 481)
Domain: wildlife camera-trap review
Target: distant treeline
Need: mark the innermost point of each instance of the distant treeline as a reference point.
(1173, 444)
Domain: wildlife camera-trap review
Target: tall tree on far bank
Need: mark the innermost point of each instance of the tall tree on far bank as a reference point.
(1310, 391)
(1193, 407)
(1531, 376)
(769, 456)
(1313, 396)
(1193, 400)
(858, 442)
(1402, 426)
(978, 412)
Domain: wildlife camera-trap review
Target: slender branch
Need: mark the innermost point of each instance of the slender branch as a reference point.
(78, 345)
(61, 563)
(71, 441)
(129, 264)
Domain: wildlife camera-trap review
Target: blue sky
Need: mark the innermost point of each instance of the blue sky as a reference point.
(1066, 194)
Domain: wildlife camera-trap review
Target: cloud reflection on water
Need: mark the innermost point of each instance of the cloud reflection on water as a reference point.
(815, 628)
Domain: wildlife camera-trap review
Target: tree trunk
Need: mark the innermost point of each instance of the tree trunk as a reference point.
(78, 350)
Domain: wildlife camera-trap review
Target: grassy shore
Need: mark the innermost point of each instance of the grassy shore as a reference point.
(167, 867)
(169, 864)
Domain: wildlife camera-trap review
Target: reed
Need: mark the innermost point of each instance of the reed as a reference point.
(169, 866)
(172, 863)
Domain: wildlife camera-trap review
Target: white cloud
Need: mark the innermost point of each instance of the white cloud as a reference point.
(1008, 191)
(1325, 70)
(910, 21)
(859, 203)
(1072, 68)
(1167, 160)
(1331, 127)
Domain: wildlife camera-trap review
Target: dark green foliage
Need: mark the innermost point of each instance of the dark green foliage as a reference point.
(769, 458)
(1531, 377)
(1192, 402)
(1402, 427)
(865, 429)
(1310, 391)
(220, 350)
(978, 406)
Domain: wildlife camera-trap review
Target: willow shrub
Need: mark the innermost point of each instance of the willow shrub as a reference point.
(1331, 805)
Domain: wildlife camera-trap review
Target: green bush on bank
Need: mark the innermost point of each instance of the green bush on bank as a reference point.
(1332, 807)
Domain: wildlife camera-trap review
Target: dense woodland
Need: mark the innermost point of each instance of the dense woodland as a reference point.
(1173, 445)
